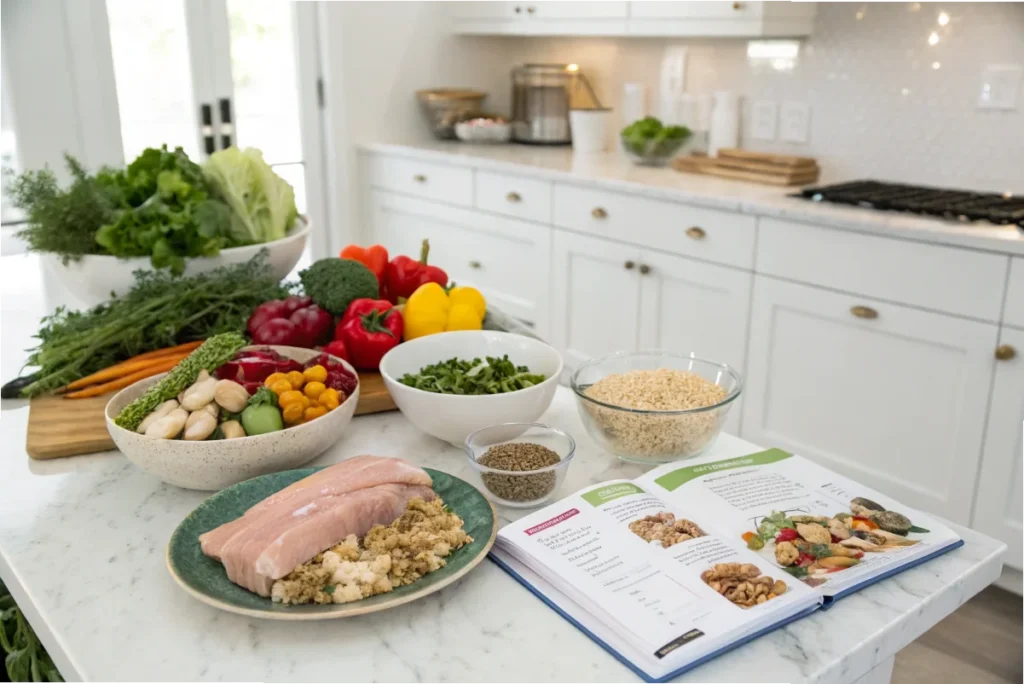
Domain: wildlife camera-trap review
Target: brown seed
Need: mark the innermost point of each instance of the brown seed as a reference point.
(519, 457)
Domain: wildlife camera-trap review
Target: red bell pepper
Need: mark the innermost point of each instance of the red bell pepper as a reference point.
(403, 275)
(374, 257)
(337, 348)
(369, 329)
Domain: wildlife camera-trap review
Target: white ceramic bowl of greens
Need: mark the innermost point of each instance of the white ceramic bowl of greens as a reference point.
(452, 417)
(92, 279)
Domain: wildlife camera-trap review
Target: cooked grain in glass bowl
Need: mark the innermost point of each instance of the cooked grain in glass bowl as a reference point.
(655, 407)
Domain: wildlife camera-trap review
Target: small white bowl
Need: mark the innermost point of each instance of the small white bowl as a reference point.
(453, 417)
(93, 278)
(495, 132)
(216, 464)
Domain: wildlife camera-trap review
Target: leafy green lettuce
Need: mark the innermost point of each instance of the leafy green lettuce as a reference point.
(262, 203)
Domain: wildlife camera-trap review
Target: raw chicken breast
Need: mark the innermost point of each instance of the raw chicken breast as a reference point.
(267, 551)
(347, 476)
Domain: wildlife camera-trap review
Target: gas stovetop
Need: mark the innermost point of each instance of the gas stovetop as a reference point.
(960, 205)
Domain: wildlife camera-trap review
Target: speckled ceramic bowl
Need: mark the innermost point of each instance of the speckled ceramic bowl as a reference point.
(214, 465)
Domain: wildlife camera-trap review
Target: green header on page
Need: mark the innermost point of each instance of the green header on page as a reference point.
(677, 478)
(602, 495)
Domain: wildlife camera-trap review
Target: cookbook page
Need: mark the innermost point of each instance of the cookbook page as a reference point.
(814, 524)
(672, 589)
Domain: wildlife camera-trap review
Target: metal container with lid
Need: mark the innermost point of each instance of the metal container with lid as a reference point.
(542, 95)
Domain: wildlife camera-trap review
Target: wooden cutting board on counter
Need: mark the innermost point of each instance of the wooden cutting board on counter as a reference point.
(757, 167)
(59, 427)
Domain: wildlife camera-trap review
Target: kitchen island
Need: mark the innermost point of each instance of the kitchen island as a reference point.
(82, 549)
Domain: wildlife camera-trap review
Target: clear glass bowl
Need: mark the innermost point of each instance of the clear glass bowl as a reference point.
(649, 436)
(653, 153)
(513, 488)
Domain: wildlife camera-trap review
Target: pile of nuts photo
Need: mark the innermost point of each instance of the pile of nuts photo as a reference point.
(743, 583)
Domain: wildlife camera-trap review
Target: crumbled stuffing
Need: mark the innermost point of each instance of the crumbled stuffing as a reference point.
(387, 557)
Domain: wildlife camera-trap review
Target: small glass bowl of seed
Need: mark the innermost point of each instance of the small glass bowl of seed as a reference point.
(520, 465)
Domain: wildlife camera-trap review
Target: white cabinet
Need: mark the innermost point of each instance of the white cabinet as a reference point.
(696, 10)
(890, 396)
(998, 510)
(526, 11)
(506, 260)
(595, 297)
(609, 297)
(1013, 309)
(690, 306)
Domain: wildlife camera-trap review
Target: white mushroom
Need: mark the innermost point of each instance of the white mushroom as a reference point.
(200, 428)
(230, 395)
(199, 394)
(159, 412)
(169, 426)
(232, 429)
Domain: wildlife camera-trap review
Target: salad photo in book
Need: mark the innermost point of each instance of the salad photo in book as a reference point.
(688, 561)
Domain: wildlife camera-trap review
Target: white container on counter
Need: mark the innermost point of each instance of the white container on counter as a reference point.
(634, 102)
(589, 129)
(725, 122)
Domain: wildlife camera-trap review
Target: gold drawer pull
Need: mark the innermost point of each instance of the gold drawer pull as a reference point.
(696, 232)
(420, 178)
(865, 312)
(737, 5)
(531, 10)
(644, 269)
(629, 265)
(599, 213)
(514, 197)
(1005, 352)
(475, 264)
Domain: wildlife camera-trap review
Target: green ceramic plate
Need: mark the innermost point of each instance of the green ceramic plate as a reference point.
(205, 578)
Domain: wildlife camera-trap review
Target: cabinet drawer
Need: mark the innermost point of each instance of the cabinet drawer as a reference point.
(957, 281)
(1013, 311)
(710, 234)
(515, 196)
(453, 184)
(506, 260)
(696, 10)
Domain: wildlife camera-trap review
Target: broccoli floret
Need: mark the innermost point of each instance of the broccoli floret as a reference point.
(665, 139)
(334, 283)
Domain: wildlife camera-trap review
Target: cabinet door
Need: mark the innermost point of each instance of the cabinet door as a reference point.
(894, 400)
(506, 260)
(696, 10)
(487, 10)
(577, 10)
(691, 306)
(595, 297)
(998, 510)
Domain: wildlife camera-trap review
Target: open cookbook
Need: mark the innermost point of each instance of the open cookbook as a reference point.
(687, 561)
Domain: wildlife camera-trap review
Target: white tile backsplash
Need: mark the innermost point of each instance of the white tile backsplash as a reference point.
(885, 102)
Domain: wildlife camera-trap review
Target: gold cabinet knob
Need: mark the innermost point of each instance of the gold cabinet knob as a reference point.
(531, 10)
(864, 312)
(514, 197)
(598, 213)
(629, 265)
(518, 9)
(420, 178)
(1005, 352)
(475, 264)
(696, 232)
(737, 5)
(644, 269)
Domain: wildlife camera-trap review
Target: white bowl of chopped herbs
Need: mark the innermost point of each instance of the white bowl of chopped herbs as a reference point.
(452, 384)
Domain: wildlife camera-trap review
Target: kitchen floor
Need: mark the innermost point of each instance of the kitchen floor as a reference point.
(980, 643)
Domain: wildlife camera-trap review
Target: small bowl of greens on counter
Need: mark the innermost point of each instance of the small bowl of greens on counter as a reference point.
(650, 143)
(452, 384)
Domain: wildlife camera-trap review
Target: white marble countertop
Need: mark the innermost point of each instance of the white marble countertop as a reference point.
(612, 170)
(82, 548)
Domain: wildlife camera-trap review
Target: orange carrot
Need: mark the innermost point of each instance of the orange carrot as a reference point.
(125, 380)
(122, 369)
(178, 349)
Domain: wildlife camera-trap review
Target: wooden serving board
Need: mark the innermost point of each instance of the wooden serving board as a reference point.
(59, 427)
(766, 157)
(781, 175)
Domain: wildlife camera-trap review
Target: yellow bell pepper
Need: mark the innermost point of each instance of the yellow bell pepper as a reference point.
(431, 309)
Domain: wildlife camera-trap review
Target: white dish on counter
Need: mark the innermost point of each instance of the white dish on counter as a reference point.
(493, 132)
(212, 465)
(94, 277)
(452, 417)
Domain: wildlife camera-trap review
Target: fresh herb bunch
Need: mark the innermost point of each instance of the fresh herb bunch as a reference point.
(159, 311)
(25, 658)
(210, 355)
(65, 221)
(455, 376)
